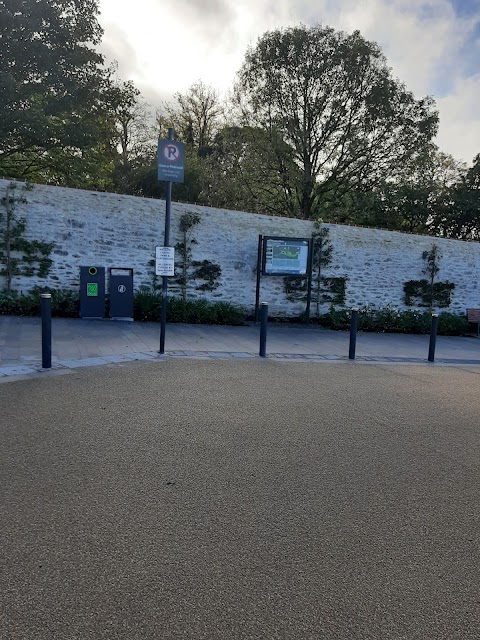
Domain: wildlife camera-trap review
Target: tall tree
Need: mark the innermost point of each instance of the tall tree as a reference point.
(238, 173)
(195, 115)
(130, 135)
(331, 96)
(51, 82)
(408, 201)
(458, 213)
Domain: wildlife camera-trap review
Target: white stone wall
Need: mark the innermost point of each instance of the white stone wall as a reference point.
(121, 231)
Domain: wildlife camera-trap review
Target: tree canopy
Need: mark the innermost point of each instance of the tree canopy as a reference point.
(51, 80)
(333, 99)
(316, 126)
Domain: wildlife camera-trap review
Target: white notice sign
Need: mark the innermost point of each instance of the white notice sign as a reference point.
(164, 261)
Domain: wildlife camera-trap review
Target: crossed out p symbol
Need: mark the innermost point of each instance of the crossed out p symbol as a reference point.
(171, 152)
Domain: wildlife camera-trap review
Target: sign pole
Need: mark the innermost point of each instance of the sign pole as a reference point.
(166, 243)
(259, 269)
(309, 280)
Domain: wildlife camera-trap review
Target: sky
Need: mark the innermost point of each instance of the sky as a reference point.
(433, 46)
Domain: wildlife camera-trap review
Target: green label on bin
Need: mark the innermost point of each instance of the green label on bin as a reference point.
(92, 289)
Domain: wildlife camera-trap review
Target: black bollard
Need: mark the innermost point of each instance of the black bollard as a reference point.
(433, 337)
(46, 313)
(263, 330)
(353, 334)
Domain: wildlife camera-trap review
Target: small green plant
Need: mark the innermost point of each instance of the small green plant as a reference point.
(422, 294)
(19, 255)
(427, 292)
(202, 274)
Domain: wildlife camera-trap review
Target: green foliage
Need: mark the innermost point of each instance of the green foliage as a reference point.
(458, 213)
(250, 169)
(332, 98)
(207, 271)
(391, 320)
(411, 200)
(295, 288)
(18, 255)
(432, 258)
(147, 303)
(65, 304)
(428, 293)
(192, 271)
(52, 83)
(13, 303)
(419, 293)
(332, 290)
(147, 306)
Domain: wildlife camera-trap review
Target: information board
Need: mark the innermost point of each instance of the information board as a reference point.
(285, 256)
(164, 261)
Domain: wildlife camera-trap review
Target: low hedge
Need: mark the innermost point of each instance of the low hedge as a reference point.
(146, 307)
(391, 320)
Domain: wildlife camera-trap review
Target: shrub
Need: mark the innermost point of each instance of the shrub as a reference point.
(391, 320)
(18, 304)
(65, 304)
(147, 308)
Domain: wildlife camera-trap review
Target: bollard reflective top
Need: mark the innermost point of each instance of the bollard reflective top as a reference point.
(434, 315)
(46, 295)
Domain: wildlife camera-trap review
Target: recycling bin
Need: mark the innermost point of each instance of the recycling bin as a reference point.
(92, 292)
(121, 293)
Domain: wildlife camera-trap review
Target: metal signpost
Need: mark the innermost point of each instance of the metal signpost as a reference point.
(171, 161)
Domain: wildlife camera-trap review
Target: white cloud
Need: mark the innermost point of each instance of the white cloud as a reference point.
(165, 45)
(460, 133)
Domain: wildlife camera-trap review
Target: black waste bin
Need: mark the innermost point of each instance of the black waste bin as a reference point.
(92, 292)
(121, 293)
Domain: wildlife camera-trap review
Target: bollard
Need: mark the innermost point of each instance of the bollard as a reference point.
(433, 337)
(263, 330)
(353, 334)
(46, 313)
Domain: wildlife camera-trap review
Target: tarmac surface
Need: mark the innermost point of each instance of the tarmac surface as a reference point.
(241, 499)
(80, 343)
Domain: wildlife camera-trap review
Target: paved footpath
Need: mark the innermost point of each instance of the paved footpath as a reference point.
(80, 343)
(241, 500)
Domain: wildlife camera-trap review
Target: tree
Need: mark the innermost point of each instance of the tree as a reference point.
(458, 212)
(130, 136)
(408, 202)
(239, 173)
(52, 83)
(333, 99)
(195, 116)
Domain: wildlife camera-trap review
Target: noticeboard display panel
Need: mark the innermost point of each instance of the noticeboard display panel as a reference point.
(285, 256)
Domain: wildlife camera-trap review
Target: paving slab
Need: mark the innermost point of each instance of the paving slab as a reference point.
(77, 342)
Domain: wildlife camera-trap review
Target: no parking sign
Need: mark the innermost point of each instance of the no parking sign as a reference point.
(171, 160)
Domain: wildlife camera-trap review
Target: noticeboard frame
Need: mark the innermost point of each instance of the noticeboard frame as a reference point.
(262, 248)
(305, 241)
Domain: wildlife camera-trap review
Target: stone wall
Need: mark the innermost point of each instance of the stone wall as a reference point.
(121, 231)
